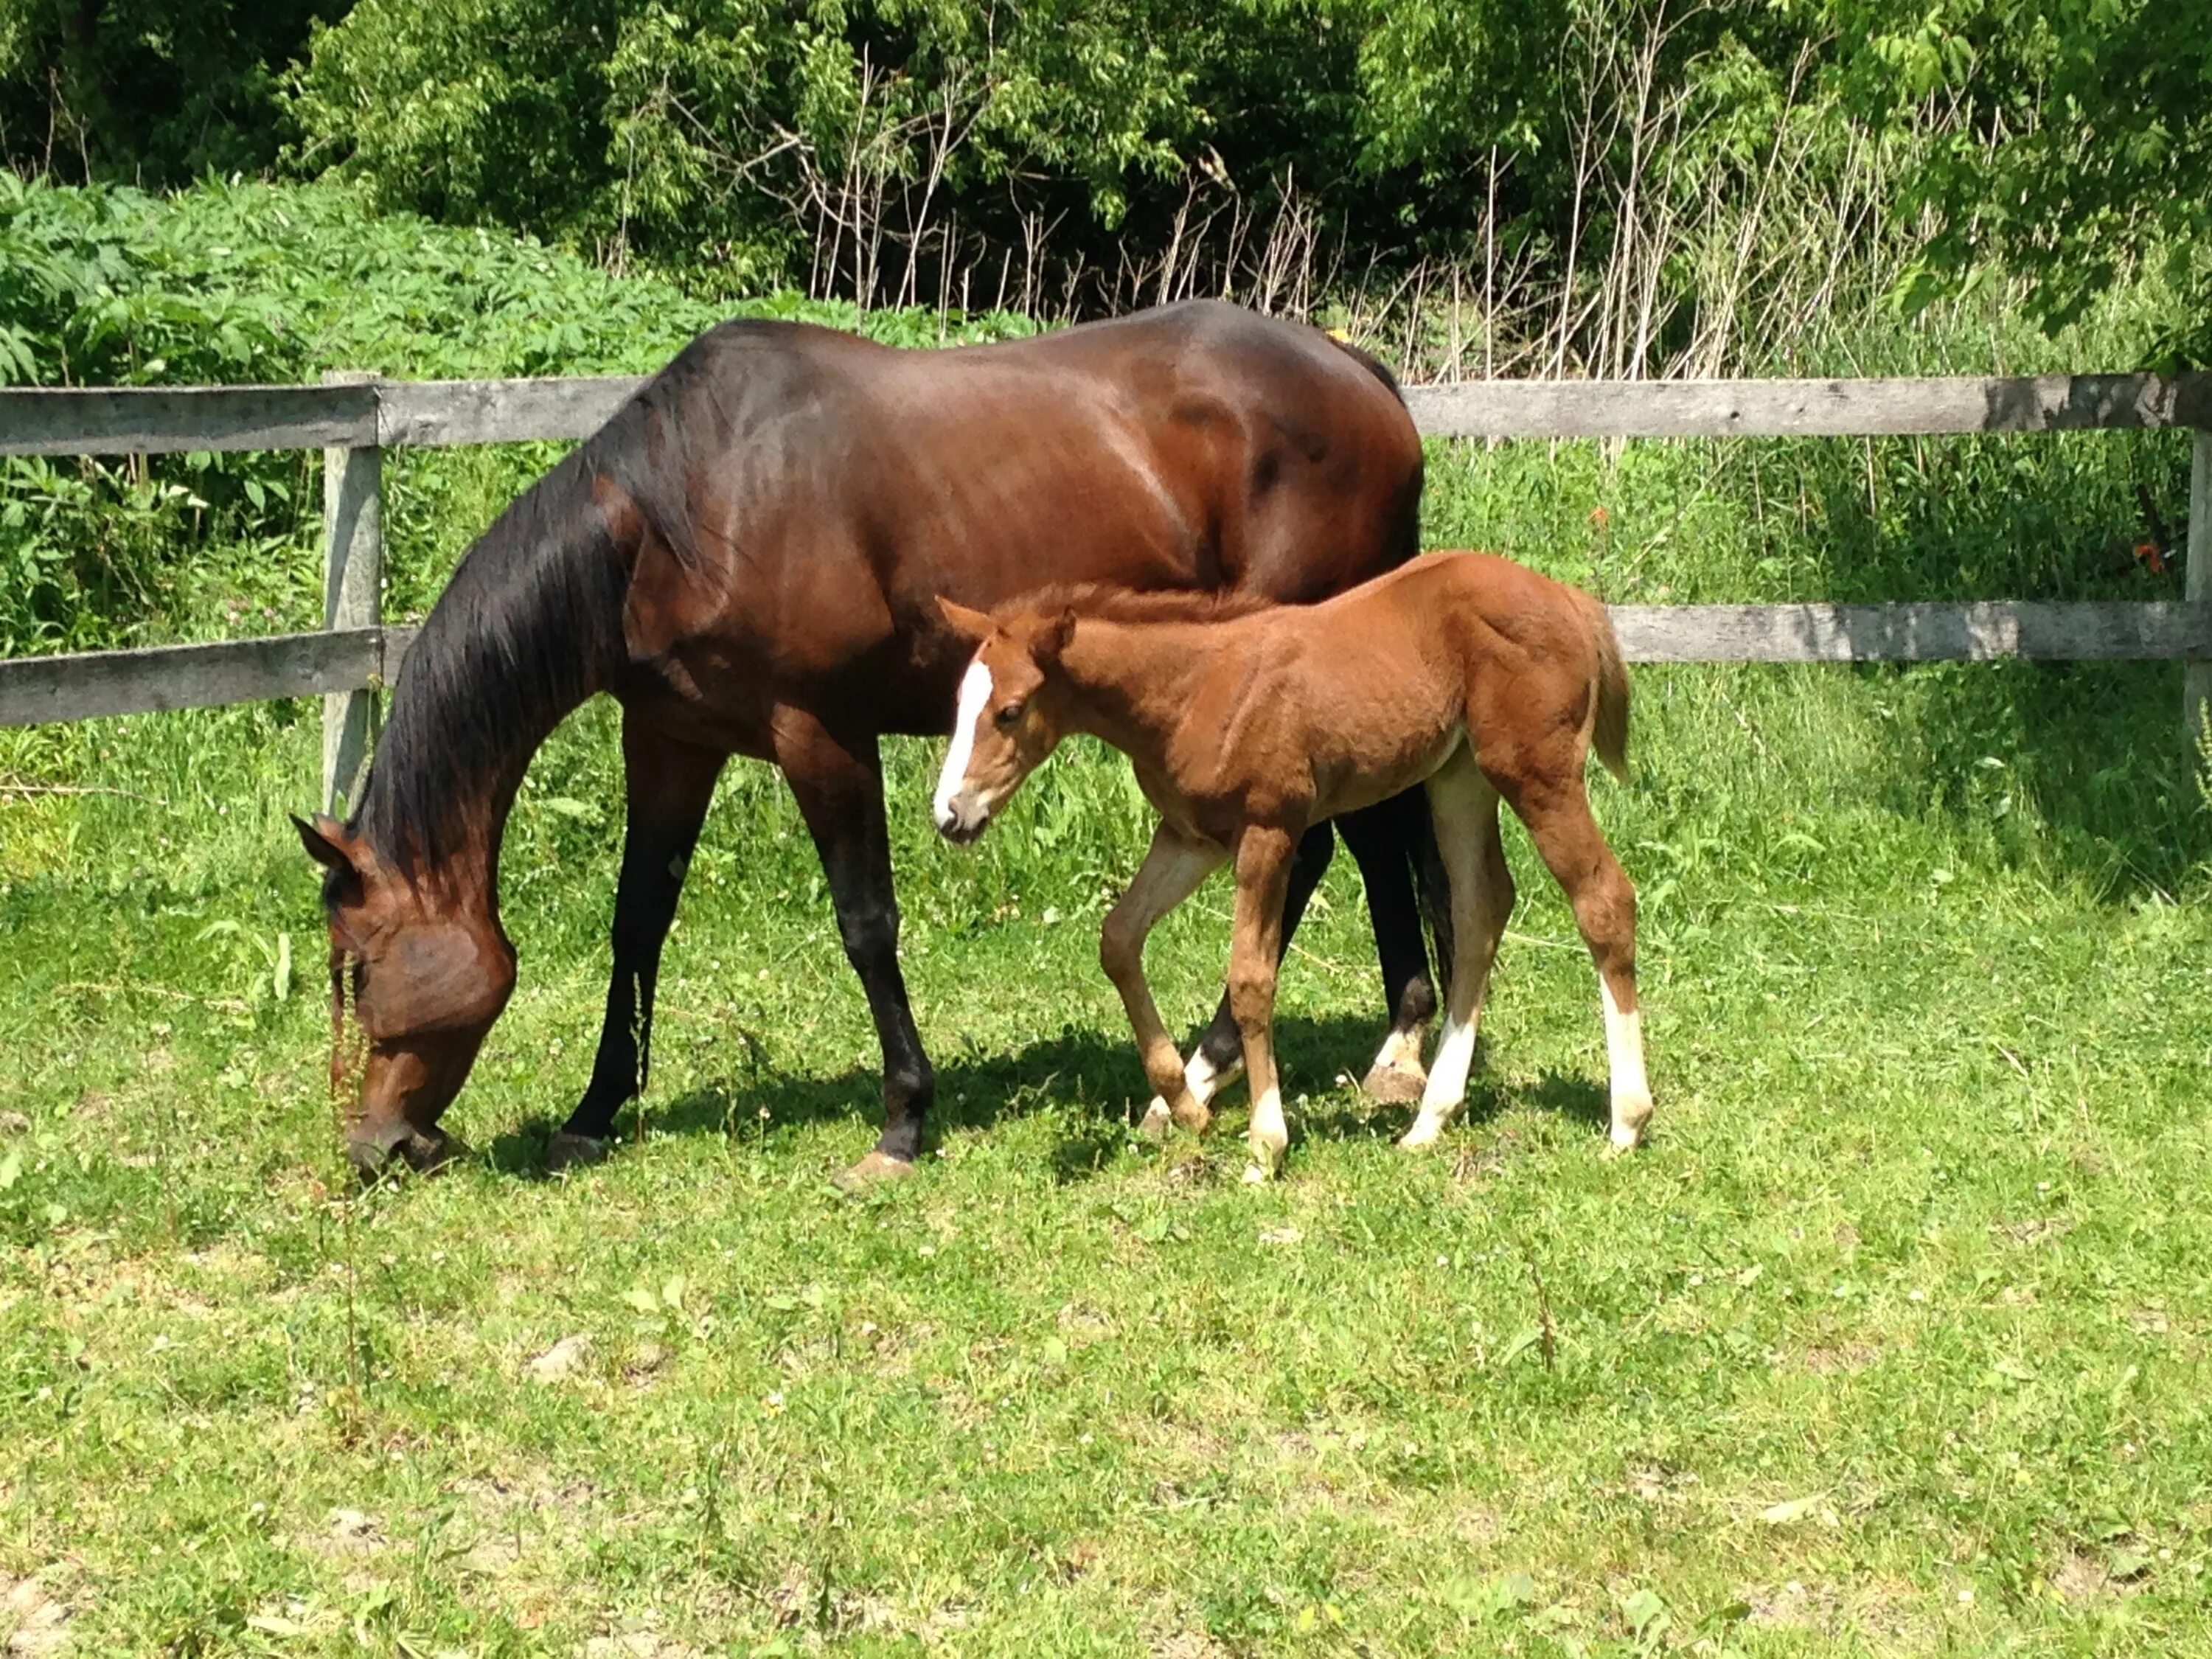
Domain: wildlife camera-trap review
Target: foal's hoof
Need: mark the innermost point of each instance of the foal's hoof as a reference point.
(1189, 1113)
(877, 1169)
(1426, 1132)
(1156, 1122)
(1266, 1164)
(566, 1151)
(1394, 1084)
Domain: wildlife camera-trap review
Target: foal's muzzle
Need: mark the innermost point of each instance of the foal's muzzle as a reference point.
(962, 819)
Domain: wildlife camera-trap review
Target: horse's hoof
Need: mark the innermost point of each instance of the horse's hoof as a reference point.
(425, 1151)
(1393, 1086)
(877, 1169)
(569, 1150)
(1155, 1121)
(428, 1151)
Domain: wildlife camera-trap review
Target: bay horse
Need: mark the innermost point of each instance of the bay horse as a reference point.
(746, 557)
(1247, 723)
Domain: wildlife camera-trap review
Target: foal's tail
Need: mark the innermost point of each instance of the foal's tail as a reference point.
(1609, 713)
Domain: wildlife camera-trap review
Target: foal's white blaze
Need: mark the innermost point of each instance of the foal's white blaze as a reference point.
(1447, 1084)
(974, 697)
(1624, 1051)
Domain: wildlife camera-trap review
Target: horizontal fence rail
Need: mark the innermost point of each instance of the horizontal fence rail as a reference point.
(353, 418)
(430, 414)
(34, 690)
(84, 685)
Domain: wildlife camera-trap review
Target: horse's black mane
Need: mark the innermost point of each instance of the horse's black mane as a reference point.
(527, 628)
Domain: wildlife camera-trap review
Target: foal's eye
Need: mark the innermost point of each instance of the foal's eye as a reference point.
(1009, 713)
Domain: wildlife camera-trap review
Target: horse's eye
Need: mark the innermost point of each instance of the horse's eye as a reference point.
(1009, 713)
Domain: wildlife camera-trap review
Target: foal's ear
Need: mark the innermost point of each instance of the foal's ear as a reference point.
(1052, 639)
(973, 626)
(326, 841)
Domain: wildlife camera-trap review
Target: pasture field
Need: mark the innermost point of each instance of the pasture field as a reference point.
(1892, 1341)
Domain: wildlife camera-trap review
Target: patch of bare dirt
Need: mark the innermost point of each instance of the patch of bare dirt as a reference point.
(1793, 1606)
(1187, 1645)
(639, 1644)
(34, 1621)
(1885, 1608)
(2036, 1229)
(353, 1533)
(1845, 1357)
(560, 1360)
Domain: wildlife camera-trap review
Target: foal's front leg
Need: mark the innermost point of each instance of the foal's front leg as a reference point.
(1263, 871)
(1173, 868)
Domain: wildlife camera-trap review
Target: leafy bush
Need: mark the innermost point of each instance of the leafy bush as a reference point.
(260, 284)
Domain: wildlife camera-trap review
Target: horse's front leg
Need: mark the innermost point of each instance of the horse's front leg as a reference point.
(1173, 868)
(1263, 869)
(670, 786)
(838, 781)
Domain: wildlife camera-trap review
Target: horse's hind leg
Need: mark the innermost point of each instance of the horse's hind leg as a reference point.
(1556, 812)
(670, 787)
(1170, 874)
(1464, 808)
(1389, 839)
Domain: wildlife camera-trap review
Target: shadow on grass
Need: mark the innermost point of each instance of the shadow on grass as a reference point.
(1093, 1080)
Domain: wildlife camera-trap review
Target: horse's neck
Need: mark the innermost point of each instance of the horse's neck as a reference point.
(1136, 681)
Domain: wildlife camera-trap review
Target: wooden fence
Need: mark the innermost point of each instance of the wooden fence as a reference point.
(353, 418)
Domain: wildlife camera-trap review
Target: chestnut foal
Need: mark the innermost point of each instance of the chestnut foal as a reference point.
(1247, 723)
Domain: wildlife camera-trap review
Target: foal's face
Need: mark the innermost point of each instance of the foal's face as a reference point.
(1003, 727)
(429, 973)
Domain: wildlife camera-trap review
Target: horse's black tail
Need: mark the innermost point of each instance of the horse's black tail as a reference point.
(1432, 892)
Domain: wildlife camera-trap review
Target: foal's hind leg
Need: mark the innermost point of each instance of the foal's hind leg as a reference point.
(1464, 808)
(1556, 812)
(1173, 868)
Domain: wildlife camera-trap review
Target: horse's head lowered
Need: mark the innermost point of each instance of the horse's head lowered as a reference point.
(1008, 722)
(428, 970)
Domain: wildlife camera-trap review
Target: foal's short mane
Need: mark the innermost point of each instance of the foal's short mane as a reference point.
(1108, 602)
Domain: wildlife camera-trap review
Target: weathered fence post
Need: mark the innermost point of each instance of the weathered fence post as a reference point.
(352, 577)
(2196, 586)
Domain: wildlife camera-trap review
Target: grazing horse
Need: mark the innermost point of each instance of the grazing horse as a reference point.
(1248, 723)
(746, 557)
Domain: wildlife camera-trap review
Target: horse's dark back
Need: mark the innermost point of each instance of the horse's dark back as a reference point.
(802, 497)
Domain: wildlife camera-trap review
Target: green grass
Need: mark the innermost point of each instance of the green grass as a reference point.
(1893, 1340)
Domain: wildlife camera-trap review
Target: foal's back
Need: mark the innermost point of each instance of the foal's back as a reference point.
(1367, 693)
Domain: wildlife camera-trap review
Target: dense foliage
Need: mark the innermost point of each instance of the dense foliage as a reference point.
(232, 283)
(1613, 179)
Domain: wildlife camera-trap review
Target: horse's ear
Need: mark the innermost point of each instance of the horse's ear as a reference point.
(326, 841)
(973, 626)
(1052, 638)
